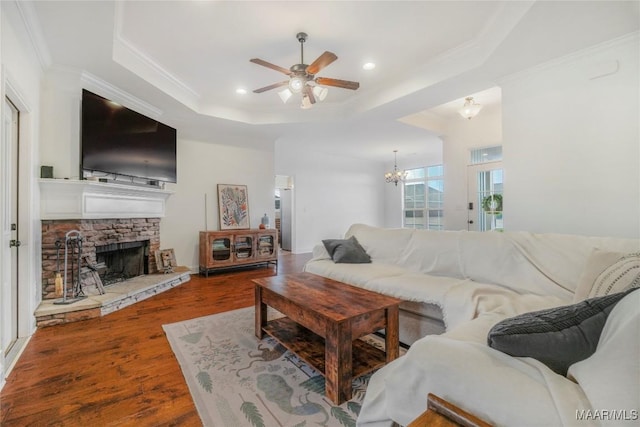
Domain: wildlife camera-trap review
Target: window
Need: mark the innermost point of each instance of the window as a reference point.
(423, 190)
(486, 154)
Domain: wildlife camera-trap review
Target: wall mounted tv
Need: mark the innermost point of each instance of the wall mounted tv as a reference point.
(118, 141)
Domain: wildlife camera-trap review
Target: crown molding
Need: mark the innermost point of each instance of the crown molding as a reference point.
(135, 60)
(629, 38)
(455, 61)
(89, 81)
(33, 28)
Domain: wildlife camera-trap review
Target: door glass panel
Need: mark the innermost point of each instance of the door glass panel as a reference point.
(489, 200)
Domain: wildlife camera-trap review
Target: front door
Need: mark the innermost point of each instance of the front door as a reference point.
(10, 238)
(485, 187)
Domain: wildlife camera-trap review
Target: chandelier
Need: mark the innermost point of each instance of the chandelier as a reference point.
(470, 109)
(395, 175)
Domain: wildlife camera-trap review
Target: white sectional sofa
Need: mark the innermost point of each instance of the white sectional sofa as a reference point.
(456, 286)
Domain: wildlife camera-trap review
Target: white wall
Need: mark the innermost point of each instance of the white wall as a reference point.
(201, 166)
(460, 136)
(61, 102)
(572, 144)
(20, 80)
(330, 193)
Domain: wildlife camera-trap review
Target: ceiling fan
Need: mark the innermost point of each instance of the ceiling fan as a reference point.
(302, 77)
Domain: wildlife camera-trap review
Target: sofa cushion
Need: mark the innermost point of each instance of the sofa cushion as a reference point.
(382, 244)
(558, 337)
(433, 252)
(542, 264)
(607, 273)
(346, 251)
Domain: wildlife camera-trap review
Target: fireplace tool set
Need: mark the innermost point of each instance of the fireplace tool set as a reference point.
(72, 262)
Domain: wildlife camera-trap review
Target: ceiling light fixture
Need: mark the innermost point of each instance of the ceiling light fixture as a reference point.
(369, 66)
(296, 84)
(285, 95)
(302, 78)
(470, 109)
(320, 92)
(306, 102)
(396, 175)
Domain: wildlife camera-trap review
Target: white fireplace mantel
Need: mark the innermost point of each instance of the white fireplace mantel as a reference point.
(73, 199)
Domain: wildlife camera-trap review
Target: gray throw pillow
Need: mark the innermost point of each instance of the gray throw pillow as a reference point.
(347, 251)
(557, 337)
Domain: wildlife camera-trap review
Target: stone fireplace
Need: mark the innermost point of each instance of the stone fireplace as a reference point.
(120, 228)
(120, 248)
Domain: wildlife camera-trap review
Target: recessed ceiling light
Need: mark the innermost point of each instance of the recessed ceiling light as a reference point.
(369, 66)
(241, 91)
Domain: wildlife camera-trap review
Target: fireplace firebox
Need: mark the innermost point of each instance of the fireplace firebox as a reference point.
(118, 262)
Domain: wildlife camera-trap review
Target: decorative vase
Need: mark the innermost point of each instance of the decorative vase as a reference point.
(264, 223)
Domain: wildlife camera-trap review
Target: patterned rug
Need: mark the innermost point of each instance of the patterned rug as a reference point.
(237, 380)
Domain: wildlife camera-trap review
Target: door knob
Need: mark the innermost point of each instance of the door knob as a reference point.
(15, 243)
(470, 221)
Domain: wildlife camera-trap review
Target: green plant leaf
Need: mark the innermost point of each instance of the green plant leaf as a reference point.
(354, 407)
(205, 380)
(314, 384)
(342, 416)
(250, 410)
(192, 338)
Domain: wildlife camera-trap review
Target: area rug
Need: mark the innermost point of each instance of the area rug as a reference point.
(237, 380)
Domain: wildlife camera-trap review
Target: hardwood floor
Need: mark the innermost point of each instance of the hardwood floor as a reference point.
(119, 370)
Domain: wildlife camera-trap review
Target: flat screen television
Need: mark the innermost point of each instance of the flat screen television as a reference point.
(117, 140)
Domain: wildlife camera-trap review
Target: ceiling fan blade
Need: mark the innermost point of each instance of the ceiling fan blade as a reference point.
(309, 91)
(270, 65)
(344, 84)
(322, 61)
(273, 86)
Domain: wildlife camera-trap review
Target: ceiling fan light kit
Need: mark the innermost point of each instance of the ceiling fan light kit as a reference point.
(296, 84)
(320, 92)
(285, 95)
(302, 78)
(306, 102)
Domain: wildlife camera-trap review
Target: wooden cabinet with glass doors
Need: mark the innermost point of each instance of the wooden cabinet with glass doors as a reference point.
(233, 248)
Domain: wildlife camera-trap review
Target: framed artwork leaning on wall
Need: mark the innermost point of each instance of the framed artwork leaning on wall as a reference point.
(233, 204)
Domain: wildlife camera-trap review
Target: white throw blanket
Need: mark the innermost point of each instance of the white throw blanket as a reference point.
(512, 391)
(498, 388)
(460, 360)
(477, 280)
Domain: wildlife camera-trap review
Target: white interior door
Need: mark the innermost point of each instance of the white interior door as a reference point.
(484, 180)
(9, 238)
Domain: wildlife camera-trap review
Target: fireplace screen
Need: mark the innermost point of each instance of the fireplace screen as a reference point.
(118, 262)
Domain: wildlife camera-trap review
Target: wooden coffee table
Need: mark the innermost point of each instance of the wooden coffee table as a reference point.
(324, 320)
